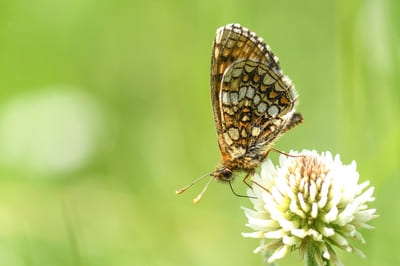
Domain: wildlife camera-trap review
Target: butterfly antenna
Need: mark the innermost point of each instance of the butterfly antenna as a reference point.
(198, 198)
(180, 191)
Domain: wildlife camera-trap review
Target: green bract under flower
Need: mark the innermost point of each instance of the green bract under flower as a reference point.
(309, 202)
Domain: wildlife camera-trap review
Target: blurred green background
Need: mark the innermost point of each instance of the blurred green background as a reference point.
(105, 111)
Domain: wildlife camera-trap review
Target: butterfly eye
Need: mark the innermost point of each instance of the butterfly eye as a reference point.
(223, 174)
(227, 174)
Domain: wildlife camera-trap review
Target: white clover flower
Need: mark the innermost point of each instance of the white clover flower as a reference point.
(311, 203)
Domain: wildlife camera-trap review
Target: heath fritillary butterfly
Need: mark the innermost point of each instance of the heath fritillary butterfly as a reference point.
(253, 102)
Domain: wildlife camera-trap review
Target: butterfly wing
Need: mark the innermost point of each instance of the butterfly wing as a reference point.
(232, 43)
(253, 102)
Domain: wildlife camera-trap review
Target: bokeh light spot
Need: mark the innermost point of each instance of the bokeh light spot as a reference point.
(53, 131)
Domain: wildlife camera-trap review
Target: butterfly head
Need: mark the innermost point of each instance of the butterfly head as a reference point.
(223, 173)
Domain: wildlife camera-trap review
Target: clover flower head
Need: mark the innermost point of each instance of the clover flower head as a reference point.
(311, 203)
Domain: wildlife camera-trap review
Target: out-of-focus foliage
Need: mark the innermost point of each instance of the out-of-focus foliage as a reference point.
(105, 112)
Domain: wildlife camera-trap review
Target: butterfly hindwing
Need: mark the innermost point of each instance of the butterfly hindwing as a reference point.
(254, 102)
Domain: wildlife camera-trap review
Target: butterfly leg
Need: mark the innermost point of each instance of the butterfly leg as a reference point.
(258, 184)
(250, 173)
(281, 152)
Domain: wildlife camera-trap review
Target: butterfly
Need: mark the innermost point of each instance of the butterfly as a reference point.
(253, 102)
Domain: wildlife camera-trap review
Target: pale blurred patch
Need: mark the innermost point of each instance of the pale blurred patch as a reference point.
(374, 29)
(52, 131)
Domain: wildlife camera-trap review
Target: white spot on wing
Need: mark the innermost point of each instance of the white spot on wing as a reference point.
(228, 75)
(250, 92)
(233, 133)
(236, 72)
(234, 98)
(273, 110)
(278, 87)
(255, 131)
(268, 79)
(287, 80)
(227, 139)
(242, 92)
(245, 118)
(249, 68)
(293, 92)
(225, 98)
(244, 133)
(236, 30)
(261, 71)
(262, 107)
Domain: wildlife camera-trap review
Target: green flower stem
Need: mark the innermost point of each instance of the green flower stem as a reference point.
(310, 256)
